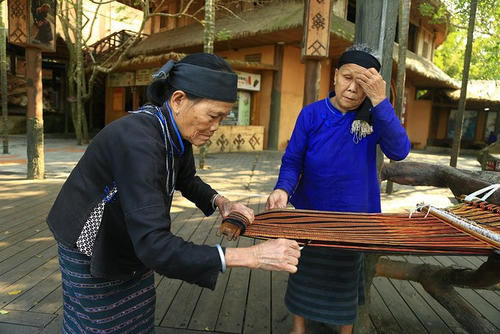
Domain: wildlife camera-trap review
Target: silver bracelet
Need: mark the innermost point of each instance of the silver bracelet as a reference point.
(213, 201)
(222, 258)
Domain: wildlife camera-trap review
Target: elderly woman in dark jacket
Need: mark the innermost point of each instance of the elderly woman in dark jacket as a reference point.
(112, 216)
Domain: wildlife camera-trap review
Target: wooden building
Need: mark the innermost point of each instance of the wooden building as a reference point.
(263, 43)
(56, 112)
(480, 119)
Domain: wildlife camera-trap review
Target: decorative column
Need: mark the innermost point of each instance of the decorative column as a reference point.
(315, 44)
(32, 25)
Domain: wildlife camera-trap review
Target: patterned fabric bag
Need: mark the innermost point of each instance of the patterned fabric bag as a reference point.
(86, 240)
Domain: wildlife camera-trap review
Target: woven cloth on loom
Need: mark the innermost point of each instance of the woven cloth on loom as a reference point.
(419, 234)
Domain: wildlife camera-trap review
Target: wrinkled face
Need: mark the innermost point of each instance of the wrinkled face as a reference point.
(197, 120)
(348, 94)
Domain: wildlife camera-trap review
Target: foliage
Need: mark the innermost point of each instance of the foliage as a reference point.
(485, 52)
(223, 34)
(484, 62)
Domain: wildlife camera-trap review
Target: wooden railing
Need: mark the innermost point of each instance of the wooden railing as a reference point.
(108, 44)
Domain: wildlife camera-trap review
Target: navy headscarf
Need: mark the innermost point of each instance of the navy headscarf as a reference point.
(195, 80)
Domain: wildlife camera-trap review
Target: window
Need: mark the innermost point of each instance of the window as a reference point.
(422, 94)
(412, 37)
(240, 113)
(351, 11)
(468, 127)
(163, 22)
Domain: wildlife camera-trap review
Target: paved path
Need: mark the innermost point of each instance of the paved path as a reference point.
(244, 301)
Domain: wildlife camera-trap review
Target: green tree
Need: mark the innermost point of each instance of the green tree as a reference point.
(485, 51)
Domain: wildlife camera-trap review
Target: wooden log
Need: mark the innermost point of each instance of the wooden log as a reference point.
(439, 282)
(484, 277)
(363, 324)
(460, 182)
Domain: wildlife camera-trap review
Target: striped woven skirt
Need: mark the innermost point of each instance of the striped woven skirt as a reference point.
(96, 305)
(328, 285)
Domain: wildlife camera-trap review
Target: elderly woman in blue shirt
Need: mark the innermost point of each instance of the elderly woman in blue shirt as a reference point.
(330, 164)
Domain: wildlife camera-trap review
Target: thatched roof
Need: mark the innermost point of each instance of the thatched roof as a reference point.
(274, 18)
(280, 22)
(423, 73)
(479, 91)
(142, 61)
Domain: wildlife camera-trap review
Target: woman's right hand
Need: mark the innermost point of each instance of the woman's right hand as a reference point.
(275, 255)
(277, 199)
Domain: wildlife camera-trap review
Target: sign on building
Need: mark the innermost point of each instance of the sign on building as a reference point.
(122, 79)
(248, 81)
(144, 77)
(32, 23)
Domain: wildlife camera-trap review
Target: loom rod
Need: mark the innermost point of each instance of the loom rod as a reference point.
(479, 232)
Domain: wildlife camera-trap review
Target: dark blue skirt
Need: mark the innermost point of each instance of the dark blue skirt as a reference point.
(96, 305)
(328, 285)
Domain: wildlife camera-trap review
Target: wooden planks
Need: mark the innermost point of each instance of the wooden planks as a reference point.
(243, 302)
(206, 312)
(27, 319)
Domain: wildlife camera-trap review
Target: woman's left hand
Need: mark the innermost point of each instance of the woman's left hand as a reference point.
(226, 207)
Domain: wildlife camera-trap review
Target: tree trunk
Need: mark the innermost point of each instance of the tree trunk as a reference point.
(72, 105)
(208, 47)
(80, 113)
(460, 182)
(34, 115)
(439, 281)
(363, 323)
(85, 127)
(404, 22)
(209, 27)
(3, 81)
(459, 119)
(376, 27)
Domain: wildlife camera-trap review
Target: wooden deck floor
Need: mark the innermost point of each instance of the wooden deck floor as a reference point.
(243, 302)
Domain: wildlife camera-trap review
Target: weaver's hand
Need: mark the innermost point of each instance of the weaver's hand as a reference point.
(276, 255)
(230, 230)
(277, 199)
(226, 207)
(372, 84)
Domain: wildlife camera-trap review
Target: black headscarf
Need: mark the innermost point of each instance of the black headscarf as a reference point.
(195, 80)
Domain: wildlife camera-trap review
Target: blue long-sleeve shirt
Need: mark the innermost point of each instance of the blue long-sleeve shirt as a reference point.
(324, 169)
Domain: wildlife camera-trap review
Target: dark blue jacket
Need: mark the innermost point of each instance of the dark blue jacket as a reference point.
(135, 230)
